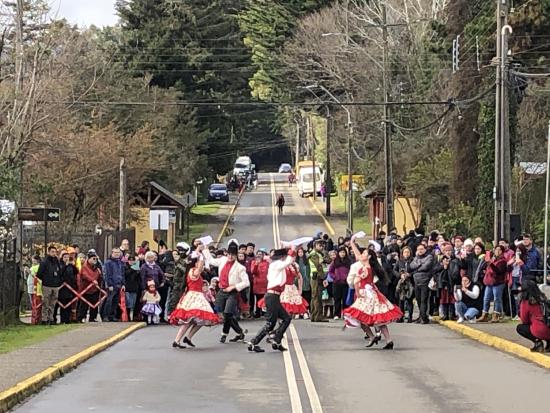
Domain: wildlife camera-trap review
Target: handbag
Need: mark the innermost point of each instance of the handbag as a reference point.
(432, 285)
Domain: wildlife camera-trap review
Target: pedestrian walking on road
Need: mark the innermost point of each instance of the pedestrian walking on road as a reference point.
(371, 307)
(49, 272)
(193, 310)
(233, 280)
(276, 281)
(280, 203)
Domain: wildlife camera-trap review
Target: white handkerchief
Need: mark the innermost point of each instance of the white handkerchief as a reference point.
(206, 241)
(360, 234)
(297, 242)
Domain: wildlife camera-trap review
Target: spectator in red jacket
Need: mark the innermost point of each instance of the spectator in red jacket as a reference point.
(532, 325)
(90, 274)
(259, 268)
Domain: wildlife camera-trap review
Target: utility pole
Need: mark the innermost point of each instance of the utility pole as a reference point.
(388, 157)
(313, 142)
(503, 173)
(350, 180)
(19, 55)
(122, 196)
(328, 181)
(297, 144)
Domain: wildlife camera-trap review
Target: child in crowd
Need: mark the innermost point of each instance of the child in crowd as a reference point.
(151, 300)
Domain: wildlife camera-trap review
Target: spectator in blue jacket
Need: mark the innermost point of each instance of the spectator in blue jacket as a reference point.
(533, 261)
(114, 282)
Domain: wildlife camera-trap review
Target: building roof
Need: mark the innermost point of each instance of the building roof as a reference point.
(533, 168)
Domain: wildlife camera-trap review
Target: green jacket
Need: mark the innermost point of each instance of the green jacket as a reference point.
(316, 267)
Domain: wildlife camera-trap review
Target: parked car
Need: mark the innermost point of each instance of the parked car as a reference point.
(218, 192)
(285, 168)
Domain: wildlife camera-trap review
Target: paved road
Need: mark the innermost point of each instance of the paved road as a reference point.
(431, 369)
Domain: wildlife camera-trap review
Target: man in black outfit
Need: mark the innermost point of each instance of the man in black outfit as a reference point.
(276, 278)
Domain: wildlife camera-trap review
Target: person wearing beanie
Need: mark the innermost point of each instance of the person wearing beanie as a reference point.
(233, 279)
(276, 279)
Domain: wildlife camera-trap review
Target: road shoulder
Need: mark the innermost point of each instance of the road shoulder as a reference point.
(27, 370)
(499, 336)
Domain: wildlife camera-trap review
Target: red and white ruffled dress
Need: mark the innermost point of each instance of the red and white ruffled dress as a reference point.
(291, 300)
(193, 306)
(371, 307)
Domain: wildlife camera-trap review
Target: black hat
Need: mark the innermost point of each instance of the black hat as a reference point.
(280, 253)
(92, 254)
(233, 249)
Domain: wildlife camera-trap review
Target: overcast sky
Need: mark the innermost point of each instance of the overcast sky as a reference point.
(86, 12)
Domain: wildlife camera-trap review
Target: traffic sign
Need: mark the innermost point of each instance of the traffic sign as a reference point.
(39, 214)
(189, 200)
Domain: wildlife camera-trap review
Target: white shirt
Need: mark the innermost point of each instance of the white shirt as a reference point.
(276, 275)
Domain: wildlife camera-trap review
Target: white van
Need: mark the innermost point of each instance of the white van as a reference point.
(305, 181)
(242, 165)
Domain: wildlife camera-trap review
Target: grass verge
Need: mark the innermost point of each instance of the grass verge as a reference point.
(16, 337)
(360, 221)
(201, 217)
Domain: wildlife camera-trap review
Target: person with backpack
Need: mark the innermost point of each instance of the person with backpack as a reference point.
(535, 316)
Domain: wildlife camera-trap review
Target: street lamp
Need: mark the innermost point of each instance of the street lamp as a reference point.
(350, 136)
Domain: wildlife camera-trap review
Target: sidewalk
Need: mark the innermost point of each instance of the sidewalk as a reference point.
(20, 364)
(501, 336)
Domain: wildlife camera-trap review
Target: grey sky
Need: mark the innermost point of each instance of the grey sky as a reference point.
(86, 12)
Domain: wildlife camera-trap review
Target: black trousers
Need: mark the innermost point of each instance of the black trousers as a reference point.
(405, 304)
(163, 291)
(422, 293)
(228, 304)
(274, 312)
(339, 293)
(257, 311)
(524, 330)
(83, 307)
(306, 295)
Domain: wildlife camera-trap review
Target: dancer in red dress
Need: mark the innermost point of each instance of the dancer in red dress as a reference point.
(193, 310)
(371, 307)
(291, 297)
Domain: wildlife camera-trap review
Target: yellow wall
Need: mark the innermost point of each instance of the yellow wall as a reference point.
(407, 215)
(144, 233)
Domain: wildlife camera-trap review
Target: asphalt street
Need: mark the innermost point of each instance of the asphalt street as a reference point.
(326, 370)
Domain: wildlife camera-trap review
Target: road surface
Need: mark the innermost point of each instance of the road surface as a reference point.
(326, 370)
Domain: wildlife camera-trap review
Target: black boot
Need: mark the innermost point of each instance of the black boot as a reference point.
(278, 346)
(255, 348)
(223, 338)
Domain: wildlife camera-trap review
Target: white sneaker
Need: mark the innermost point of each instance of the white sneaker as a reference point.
(460, 320)
(516, 318)
(472, 320)
(336, 317)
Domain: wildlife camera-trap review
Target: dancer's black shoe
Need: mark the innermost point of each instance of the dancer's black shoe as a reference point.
(373, 341)
(177, 345)
(255, 349)
(223, 338)
(388, 346)
(238, 337)
(188, 342)
(278, 346)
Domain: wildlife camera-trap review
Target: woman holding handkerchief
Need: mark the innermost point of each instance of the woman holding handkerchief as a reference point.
(371, 307)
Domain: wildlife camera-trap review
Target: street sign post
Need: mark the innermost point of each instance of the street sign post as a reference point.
(39, 214)
(44, 215)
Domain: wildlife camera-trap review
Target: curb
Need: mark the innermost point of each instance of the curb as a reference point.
(30, 386)
(231, 213)
(327, 224)
(498, 343)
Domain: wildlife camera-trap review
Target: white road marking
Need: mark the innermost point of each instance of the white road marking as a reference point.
(308, 380)
(313, 396)
(295, 402)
